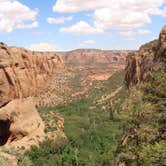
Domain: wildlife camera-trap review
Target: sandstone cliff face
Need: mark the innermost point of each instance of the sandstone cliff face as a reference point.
(148, 58)
(20, 124)
(24, 73)
(94, 57)
(98, 64)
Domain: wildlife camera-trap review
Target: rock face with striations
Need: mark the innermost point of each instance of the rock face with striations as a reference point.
(24, 73)
(94, 57)
(148, 58)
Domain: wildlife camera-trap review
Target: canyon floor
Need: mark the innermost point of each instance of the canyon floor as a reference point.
(76, 103)
(92, 131)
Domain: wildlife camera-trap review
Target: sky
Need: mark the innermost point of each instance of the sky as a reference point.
(61, 25)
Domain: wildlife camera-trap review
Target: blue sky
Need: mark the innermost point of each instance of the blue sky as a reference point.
(71, 24)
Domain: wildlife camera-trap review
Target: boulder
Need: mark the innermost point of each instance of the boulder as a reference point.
(20, 124)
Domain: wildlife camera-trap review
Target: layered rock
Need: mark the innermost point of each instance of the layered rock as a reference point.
(24, 73)
(97, 64)
(148, 58)
(94, 57)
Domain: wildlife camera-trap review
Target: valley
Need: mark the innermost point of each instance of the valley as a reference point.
(93, 133)
(83, 107)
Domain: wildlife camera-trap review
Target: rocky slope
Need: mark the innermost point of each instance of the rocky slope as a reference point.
(98, 64)
(94, 57)
(24, 73)
(144, 136)
(148, 58)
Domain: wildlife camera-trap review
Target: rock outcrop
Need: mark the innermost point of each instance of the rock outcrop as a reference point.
(94, 57)
(23, 76)
(148, 58)
(98, 64)
(20, 124)
(24, 73)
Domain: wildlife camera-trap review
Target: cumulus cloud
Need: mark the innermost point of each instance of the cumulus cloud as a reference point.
(115, 14)
(81, 27)
(59, 20)
(73, 6)
(28, 26)
(13, 14)
(43, 47)
(130, 35)
(107, 18)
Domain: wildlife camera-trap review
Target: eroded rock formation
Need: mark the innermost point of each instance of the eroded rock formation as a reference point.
(94, 57)
(148, 58)
(24, 73)
(98, 64)
(20, 124)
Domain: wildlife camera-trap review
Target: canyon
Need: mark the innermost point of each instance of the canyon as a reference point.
(98, 64)
(72, 95)
(29, 78)
(23, 76)
(94, 57)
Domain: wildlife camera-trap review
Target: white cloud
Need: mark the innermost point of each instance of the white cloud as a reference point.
(116, 19)
(43, 47)
(130, 35)
(29, 26)
(72, 6)
(13, 14)
(143, 31)
(116, 14)
(81, 27)
(87, 42)
(59, 20)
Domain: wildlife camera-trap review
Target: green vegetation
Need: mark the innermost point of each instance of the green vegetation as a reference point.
(131, 130)
(92, 136)
(50, 119)
(146, 130)
(150, 45)
(9, 155)
(161, 52)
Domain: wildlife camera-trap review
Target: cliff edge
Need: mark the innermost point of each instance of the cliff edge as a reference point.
(25, 73)
(148, 58)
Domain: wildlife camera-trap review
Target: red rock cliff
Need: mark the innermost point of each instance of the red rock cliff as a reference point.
(24, 73)
(94, 57)
(148, 58)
